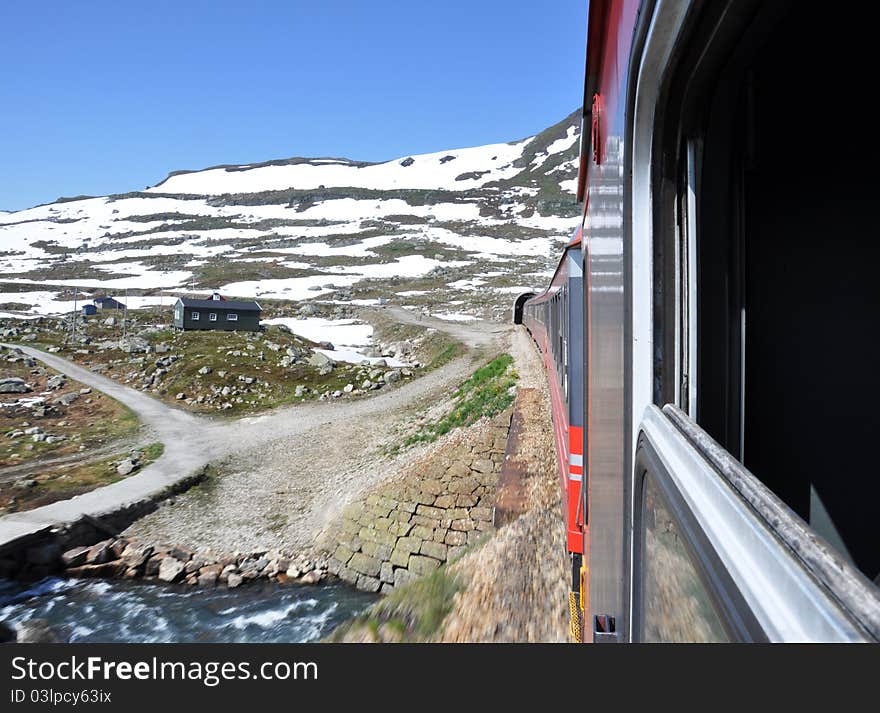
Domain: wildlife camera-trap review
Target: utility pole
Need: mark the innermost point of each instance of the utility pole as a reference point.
(73, 322)
(125, 315)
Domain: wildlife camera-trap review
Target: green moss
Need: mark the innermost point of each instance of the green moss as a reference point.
(485, 394)
(421, 606)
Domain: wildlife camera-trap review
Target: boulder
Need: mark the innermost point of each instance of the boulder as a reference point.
(75, 557)
(56, 382)
(100, 553)
(152, 567)
(233, 580)
(68, 399)
(207, 577)
(13, 385)
(135, 555)
(321, 360)
(312, 577)
(125, 467)
(170, 569)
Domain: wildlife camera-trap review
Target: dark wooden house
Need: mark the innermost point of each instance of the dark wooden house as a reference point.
(108, 303)
(217, 313)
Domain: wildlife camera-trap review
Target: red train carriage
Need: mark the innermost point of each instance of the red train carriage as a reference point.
(555, 321)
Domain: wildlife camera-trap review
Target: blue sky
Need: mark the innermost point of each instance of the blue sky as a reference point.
(102, 97)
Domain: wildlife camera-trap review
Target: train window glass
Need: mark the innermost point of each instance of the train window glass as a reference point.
(786, 260)
(676, 606)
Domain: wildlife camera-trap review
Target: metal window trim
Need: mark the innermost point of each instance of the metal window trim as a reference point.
(736, 617)
(787, 602)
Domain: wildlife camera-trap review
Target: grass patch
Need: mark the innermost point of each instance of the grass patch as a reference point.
(486, 393)
(68, 481)
(422, 606)
(414, 612)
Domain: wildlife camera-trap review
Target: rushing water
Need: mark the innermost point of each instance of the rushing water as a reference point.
(121, 611)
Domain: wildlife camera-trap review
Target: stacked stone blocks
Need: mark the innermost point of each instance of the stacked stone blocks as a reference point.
(408, 527)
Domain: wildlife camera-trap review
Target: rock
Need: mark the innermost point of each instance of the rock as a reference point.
(135, 555)
(392, 376)
(100, 553)
(75, 557)
(321, 360)
(37, 631)
(234, 580)
(134, 345)
(104, 570)
(368, 584)
(125, 467)
(205, 370)
(109, 322)
(421, 565)
(207, 578)
(13, 385)
(56, 382)
(180, 396)
(170, 569)
(312, 577)
(68, 399)
(152, 567)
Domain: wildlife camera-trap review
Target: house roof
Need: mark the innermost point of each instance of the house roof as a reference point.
(235, 305)
(106, 299)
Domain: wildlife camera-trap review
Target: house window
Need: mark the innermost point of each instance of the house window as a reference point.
(195, 316)
(212, 316)
(232, 317)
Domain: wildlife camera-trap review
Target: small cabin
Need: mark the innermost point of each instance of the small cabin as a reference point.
(217, 313)
(103, 303)
(89, 309)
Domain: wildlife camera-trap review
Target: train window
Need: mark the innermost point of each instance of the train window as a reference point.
(784, 195)
(676, 605)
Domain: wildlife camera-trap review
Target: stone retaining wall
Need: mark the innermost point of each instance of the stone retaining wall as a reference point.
(424, 517)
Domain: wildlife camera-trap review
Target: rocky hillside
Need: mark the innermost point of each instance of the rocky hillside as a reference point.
(456, 232)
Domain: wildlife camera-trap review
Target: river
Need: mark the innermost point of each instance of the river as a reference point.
(116, 611)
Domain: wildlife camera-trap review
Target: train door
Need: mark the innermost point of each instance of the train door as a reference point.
(752, 515)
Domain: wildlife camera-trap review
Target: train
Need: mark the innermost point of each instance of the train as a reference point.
(708, 334)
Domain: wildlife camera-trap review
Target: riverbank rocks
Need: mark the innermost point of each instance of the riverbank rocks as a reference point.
(119, 557)
(425, 516)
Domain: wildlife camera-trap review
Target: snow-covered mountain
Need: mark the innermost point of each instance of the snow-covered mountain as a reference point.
(456, 231)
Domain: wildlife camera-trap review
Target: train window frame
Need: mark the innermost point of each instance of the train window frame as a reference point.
(708, 147)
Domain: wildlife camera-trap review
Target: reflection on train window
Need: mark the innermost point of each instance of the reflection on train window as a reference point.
(676, 607)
